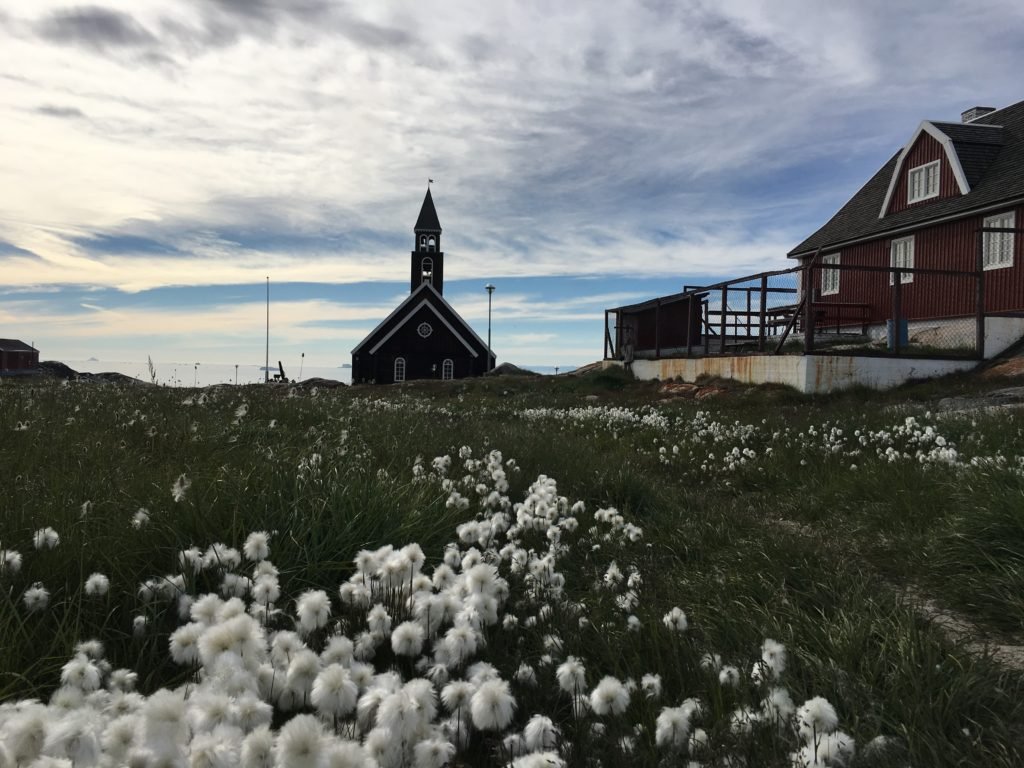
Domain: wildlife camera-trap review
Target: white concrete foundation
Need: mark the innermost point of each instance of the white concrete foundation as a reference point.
(813, 374)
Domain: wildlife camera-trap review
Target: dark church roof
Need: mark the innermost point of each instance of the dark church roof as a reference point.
(989, 149)
(428, 221)
(425, 295)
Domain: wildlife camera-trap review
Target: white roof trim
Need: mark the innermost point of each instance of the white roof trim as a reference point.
(394, 312)
(423, 287)
(947, 145)
(425, 303)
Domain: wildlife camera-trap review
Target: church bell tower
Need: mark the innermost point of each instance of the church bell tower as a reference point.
(427, 257)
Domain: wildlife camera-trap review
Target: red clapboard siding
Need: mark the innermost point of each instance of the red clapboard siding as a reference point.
(952, 245)
(925, 150)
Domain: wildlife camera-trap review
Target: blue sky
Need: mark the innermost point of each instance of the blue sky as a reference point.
(160, 158)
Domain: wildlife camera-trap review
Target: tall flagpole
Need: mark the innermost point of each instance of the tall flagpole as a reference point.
(266, 365)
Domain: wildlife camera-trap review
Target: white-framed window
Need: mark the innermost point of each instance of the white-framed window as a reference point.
(447, 369)
(830, 277)
(997, 247)
(427, 270)
(923, 182)
(431, 244)
(399, 369)
(901, 254)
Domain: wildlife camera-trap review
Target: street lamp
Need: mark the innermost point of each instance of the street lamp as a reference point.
(490, 290)
(196, 382)
(236, 374)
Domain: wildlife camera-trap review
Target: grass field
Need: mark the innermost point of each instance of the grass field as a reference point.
(538, 571)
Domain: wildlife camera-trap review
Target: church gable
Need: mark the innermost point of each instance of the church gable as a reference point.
(425, 324)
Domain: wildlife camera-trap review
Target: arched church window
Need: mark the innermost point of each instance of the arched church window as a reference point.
(447, 369)
(427, 268)
(423, 242)
(431, 244)
(399, 369)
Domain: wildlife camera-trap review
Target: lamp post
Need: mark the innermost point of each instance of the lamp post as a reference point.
(196, 382)
(490, 290)
(236, 374)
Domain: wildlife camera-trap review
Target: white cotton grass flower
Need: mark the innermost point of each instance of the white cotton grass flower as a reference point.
(81, 673)
(334, 693)
(772, 663)
(433, 753)
(97, 585)
(313, 609)
(456, 695)
(378, 620)
(816, 717)
(257, 546)
(24, 737)
(140, 518)
(342, 753)
(180, 487)
(651, 686)
(672, 727)
(10, 561)
(609, 697)
(675, 620)
(300, 743)
(36, 597)
(539, 760)
(571, 675)
(338, 651)
(778, 707)
(540, 734)
(45, 538)
(831, 749)
(185, 644)
(492, 705)
(729, 676)
(407, 639)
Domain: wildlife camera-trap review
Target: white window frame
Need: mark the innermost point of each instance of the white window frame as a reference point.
(399, 376)
(830, 277)
(998, 247)
(923, 172)
(904, 260)
(448, 369)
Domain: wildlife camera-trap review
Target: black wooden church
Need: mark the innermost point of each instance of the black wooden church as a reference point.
(424, 338)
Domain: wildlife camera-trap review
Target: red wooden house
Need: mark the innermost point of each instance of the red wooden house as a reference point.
(928, 209)
(17, 357)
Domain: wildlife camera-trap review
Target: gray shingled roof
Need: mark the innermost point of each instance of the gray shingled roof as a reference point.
(13, 345)
(993, 162)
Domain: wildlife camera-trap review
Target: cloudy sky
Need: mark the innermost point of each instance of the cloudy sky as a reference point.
(160, 158)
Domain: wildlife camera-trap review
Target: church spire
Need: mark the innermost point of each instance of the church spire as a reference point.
(427, 258)
(428, 221)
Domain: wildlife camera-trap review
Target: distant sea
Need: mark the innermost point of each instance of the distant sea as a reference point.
(206, 374)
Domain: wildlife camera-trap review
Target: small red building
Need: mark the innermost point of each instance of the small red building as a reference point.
(951, 200)
(17, 357)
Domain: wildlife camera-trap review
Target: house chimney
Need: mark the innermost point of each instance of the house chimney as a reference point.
(974, 113)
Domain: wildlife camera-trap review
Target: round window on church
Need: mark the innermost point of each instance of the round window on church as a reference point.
(424, 330)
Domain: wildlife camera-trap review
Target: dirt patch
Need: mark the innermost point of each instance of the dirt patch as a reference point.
(1011, 368)
(678, 390)
(965, 633)
(959, 629)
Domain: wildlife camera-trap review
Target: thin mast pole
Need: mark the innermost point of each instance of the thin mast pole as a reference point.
(266, 364)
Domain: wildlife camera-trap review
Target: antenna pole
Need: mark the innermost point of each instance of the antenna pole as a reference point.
(266, 364)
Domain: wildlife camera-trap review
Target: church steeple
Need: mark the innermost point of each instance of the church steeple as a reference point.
(427, 257)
